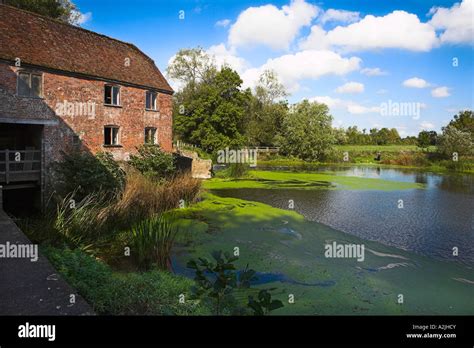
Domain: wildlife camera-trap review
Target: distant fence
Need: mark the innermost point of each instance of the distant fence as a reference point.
(20, 165)
(180, 145)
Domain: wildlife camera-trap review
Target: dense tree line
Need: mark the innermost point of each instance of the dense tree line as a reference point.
(213, 111)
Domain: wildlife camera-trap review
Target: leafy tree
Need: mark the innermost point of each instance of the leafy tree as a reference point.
(63, 10)
(426, 139)
(267, 110)
(464, 121)
(307, 130)
(212, 117)
(191, 66)
(457, 141)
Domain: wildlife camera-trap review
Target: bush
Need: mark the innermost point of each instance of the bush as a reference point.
(152, 162)
(238, 170)
(85, 174)
(151, 242)
(150, 293)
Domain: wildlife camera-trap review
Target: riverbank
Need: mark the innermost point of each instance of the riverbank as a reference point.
(288, 252)
(391, 156)
(307, 180)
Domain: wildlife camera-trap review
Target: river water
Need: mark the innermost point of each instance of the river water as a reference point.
(431, 222)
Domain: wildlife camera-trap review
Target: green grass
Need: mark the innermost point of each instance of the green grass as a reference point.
(382, 148)
(113, 293)
(428, 286)
(326, 180)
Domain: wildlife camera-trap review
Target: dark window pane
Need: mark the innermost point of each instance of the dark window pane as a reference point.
(24, 84)
(36, 85)
(115, 96)
(107, 136)
(108, 95)
(153, 101)
(147, 100)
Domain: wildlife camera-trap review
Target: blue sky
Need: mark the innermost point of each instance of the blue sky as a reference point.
(356, 56)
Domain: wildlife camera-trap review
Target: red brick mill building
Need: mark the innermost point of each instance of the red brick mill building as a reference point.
(64, 88)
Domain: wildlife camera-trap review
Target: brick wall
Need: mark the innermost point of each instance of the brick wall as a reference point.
(131, 117)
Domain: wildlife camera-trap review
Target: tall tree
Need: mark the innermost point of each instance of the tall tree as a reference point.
(308, 132)
(464, 121)
(267, 110)
(63, 10)
(191, 66)
(213, 118)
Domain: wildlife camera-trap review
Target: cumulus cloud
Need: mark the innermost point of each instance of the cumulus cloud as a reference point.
(415, 82)
(399, 29)
(310, 64)
(350, 87)
(347, 105)
(223, 23)
(271, 26)
(456, 22)
(224, 56)
(373, 72)
(341, 16)
(440, 92)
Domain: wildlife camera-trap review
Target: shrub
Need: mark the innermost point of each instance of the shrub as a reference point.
(152, 162)
(406, 159)
(83, 173)
(217, 280)
(238, 170)
(152, 240)
(150, 293)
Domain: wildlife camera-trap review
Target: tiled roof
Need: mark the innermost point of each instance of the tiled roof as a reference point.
(45, 42)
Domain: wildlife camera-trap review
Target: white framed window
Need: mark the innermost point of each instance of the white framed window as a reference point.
(30, 84)
(151, 136)
(151, 100)
(112, 95)
(111, 135)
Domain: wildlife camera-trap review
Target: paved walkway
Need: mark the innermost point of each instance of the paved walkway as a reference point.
(33, 288)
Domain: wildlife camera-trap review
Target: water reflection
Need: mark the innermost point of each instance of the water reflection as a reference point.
(432, 221)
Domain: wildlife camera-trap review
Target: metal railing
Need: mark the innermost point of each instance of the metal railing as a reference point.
(20, 165)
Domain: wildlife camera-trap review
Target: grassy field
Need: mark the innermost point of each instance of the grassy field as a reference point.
(288, 253)
(308, 181)
(382, 148)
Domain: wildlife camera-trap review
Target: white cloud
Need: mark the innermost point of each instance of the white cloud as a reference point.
(350, 87)
(440, 92)
(223, 56)
(84, 17)
(223, 23)
(456, 22)
(311, 64)
(315, 40)
(415, 82)
(373, 72)
(399, 29)
(270, 26)
(341, 16)
(347, 105)
(426, 125)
